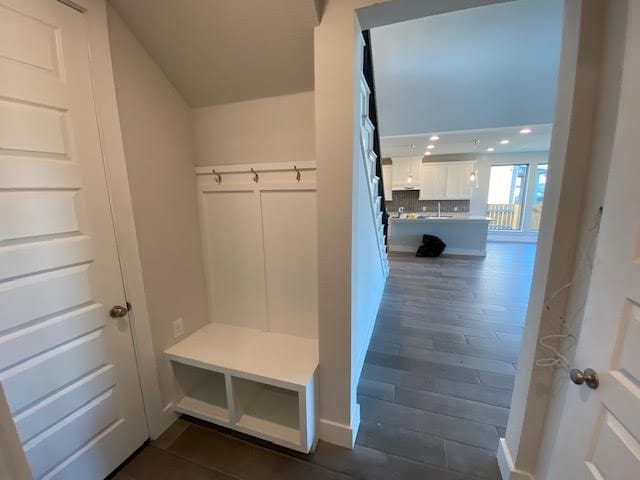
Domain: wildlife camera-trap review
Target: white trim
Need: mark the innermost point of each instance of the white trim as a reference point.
(447, 251)
(258, 167)
(522, 237)
(505, 463)
(118, 185)
(339, 433)
(374, 203)
(257, 187)
(569, 162)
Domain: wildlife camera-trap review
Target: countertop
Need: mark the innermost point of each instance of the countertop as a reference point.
(452, 218)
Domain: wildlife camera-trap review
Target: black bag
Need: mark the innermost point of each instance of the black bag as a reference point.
(431, 246)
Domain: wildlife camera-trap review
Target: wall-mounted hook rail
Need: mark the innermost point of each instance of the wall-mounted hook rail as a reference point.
(255, 175)
(298, 174)
(217, 175)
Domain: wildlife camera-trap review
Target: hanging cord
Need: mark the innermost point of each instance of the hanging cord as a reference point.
(557, 357)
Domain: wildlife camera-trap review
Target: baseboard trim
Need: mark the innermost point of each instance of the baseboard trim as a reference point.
(163, 421)
(499, 237)
(507, 468)
(339, 433)
(447, 251)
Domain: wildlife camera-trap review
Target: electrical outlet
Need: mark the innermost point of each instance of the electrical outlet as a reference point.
(178, 327)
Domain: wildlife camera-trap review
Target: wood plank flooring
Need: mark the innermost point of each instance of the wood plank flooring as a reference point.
(437, 382)
(434, 394)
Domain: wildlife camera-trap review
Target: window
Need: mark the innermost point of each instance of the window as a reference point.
(540, 181)
(507, 187)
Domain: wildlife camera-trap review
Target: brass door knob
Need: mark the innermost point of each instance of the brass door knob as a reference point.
(118, 311)
(589, 377)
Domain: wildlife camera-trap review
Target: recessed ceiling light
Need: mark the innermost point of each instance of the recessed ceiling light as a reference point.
(504, 142)
(430, 147)
(490, 149)
(433, 138)
(427, 153)
(525, 131)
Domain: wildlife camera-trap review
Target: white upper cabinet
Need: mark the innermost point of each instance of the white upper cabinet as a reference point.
(404, 170)
(387, 179)
(458, 185)
(433, 181)
(446, 181)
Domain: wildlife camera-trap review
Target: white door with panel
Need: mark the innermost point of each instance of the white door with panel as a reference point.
(67, 368)
(599, 435)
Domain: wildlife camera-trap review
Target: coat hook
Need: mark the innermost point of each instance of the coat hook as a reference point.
(298, 174)
(255, 175)
(217, 175)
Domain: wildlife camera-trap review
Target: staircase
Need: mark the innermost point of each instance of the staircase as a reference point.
(370, 145)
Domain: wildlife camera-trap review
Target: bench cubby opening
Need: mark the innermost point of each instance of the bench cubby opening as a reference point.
(267, 410)
(200, 392)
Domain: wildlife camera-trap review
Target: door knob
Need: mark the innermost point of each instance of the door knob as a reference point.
(118, 311)
(589, 377)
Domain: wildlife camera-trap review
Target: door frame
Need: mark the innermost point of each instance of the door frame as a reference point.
(561, 226)
(569, 162)
(158, 416)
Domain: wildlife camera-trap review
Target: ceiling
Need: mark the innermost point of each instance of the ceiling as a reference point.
(388, 12)
(485, 67)
(449, 143)
(222, 51)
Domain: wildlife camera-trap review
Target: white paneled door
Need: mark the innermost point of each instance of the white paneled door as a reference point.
(67, 367)
(599, 435)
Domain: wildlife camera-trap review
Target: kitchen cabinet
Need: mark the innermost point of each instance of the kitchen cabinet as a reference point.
(433, 181)
(387, 180)
(403, 169)
(446, 181)
(458, 185)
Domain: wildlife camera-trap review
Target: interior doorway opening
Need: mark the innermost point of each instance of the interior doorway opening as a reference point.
(438, 378)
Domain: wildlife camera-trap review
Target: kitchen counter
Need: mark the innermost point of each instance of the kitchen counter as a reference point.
(463, 234)
(443, 218)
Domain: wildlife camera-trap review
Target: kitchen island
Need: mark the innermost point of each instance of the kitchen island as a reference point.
(463, 235)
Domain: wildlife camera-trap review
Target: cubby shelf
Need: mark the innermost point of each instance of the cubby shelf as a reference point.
(256, 382)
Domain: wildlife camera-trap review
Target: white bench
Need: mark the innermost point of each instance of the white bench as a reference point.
(256, 382)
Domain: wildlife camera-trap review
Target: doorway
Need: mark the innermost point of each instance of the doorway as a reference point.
(437, 381)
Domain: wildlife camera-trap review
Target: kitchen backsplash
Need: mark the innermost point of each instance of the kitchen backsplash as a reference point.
(409, 200)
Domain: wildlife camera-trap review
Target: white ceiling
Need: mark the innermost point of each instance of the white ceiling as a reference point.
(386, 13)
(463, 142)
(222, 51)
(484, 67)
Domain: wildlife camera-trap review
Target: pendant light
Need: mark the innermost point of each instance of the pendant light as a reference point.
(410, 177)
(473, 176)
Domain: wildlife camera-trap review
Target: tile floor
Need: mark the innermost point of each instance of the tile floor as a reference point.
(434, 393)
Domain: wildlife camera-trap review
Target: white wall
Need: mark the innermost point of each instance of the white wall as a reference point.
(158, 147)
(336, 142)
(273, 129)
(367, 270)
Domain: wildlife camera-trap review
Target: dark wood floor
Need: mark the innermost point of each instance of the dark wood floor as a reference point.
(434, 394)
